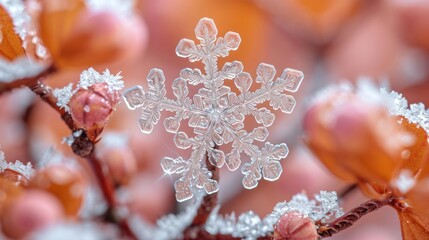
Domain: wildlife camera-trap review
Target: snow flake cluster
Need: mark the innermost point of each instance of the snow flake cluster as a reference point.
(23, 66)
(251, 226)
(415, 113)
(87, 79)
(217, 114)
(25, 170)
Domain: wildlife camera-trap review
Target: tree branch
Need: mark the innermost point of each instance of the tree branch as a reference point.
(82, 147)
(348, 219)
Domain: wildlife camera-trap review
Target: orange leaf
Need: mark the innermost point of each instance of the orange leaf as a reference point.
(418, 153)
(10, 43)
(414, 227)
(56, 22)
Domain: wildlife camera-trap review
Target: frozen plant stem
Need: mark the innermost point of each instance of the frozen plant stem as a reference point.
(209, 201)
(348, 219)
(82, 146)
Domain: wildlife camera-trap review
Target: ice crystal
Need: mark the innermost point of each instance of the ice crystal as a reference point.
(88, 78)
(415, 113)
(25, 170)
(250, 226)
(405, 181)
(19, 68)
(215, 113)
(63, 96)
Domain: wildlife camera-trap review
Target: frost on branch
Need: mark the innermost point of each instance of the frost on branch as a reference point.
(250, 226)
(25, 170)
(19, 68)
(215, 113)
(415, 113)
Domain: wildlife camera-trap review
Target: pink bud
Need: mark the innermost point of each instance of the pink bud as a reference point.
(33, 210)
(91, 108)
(294, 226)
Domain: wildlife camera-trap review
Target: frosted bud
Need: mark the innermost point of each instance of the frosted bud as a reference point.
(91, 108)
(294, 226)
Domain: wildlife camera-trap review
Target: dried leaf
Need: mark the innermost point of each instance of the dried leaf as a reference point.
(10, 42)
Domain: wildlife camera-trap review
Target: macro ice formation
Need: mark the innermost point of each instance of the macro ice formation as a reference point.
(216, 113)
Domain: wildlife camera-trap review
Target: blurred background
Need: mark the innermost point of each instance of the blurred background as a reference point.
(330, 41)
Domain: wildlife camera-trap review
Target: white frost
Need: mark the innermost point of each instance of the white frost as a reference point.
(88, 78)
(216, 113)
(25, 170)
(19, 68)
(405, 181)
(250, 226)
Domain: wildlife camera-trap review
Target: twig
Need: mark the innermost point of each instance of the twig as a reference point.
(196, 229)
(25, 82)
(348, 219)
(83, 147)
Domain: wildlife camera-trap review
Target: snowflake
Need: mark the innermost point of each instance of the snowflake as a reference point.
(215, 113)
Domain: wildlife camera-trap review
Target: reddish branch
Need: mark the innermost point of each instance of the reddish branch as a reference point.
(82, 145)
(352, 216)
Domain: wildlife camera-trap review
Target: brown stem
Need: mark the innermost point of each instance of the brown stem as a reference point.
(348, 219)
(25, 82)
(196, 229)
(83, 147)
(209, 201)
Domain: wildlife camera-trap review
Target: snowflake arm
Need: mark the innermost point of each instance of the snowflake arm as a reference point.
(216, 113)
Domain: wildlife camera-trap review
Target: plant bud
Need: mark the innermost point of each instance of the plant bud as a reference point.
(294, 226)
(31, 211)
(64, 183)
(357, 139)
(92, 108)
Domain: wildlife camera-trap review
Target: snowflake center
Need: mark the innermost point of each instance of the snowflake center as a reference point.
(215, 114)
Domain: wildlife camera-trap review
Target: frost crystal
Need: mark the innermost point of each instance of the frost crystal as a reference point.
(250, 226)
(19, 68)
(215, 113)
(405, 181)
(23, 26)
(415, 113)
(90, 77)
(87, 79)
(63, 96)
(25, 170)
